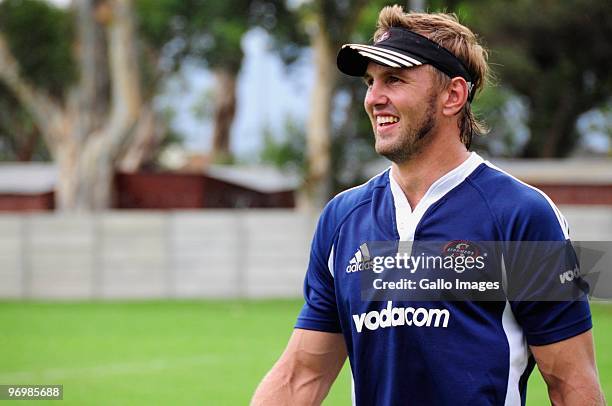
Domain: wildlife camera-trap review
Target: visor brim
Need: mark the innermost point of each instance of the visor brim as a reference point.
(353, 59)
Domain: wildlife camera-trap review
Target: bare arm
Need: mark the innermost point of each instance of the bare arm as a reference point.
(568, 367)
(305, 372)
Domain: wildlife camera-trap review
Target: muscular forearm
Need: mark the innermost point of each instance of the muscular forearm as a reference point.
(577, 392)
(305, 372)
(569, 369)
(281, 386)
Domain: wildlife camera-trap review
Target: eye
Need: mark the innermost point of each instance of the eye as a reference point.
(393, 79)
(368, 81)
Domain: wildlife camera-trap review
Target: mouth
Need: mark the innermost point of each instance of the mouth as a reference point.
(386, 121)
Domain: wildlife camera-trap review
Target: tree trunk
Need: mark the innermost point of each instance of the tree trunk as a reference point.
(318, 181)
(331, 24)
(91, 189)
(89, 101)
(85, 145)
(86, 164)
(225, 110)
(550, 130)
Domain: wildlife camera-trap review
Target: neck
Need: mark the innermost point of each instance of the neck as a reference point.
(416, 175)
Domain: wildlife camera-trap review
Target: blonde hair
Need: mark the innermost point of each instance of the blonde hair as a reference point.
(445, 30)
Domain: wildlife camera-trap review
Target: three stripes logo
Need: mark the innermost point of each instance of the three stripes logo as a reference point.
(385, 56)
(361, 260)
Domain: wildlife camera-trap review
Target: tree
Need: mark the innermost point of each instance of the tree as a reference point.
(211, 32)
(89, 128)
(557, 55)
(95, 112)
(329, 24)
(20, 139)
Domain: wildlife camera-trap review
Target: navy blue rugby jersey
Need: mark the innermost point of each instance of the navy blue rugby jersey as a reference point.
(449, 352)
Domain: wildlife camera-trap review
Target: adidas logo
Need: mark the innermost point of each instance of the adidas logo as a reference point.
(361, 260)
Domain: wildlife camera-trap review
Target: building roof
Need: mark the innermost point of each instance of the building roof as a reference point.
(36, 178)
(264, 179)
(27, 177)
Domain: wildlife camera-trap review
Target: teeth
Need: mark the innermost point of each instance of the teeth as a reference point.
(386, 119)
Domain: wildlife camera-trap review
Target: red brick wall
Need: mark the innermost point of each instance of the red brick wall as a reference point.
(38, 202)
(158, 191)
(578, 194)
(190, 191)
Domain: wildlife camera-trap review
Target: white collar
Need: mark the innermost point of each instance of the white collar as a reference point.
(407, 219)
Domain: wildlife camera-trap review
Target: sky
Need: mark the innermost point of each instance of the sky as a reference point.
(61, 3)
(268, 95)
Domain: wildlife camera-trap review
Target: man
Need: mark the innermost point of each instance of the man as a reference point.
(422, 73)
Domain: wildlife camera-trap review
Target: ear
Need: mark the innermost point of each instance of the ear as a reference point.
(456, 97)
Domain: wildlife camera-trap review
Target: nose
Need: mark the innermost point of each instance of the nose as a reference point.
(375, 96)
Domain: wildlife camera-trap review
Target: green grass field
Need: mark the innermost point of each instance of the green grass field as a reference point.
(174, 353)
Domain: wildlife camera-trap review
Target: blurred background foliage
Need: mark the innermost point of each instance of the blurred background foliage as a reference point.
(552, 64)
(40, 36)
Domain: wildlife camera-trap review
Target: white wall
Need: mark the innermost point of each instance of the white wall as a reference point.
(127, 254)
(589, 223)
(183, 254)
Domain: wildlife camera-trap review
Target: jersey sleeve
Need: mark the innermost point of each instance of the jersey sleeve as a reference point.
(320, 311)
(546, 303)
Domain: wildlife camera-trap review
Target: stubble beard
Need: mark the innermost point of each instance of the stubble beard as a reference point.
(413, 139)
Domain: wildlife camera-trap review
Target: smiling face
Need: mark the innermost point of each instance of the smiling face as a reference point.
(402, 106)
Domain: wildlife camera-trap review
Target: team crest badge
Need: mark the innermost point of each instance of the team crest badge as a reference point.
(461, 248)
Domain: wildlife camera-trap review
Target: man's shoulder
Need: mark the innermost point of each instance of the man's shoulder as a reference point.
(512, 200)
(340, 207)
(360, 193)
(498, 184)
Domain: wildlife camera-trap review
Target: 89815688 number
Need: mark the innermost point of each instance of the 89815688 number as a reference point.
(31, 392)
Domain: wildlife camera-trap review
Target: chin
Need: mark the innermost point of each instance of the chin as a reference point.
(398, 153)
(390, 152)
(386, 145)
